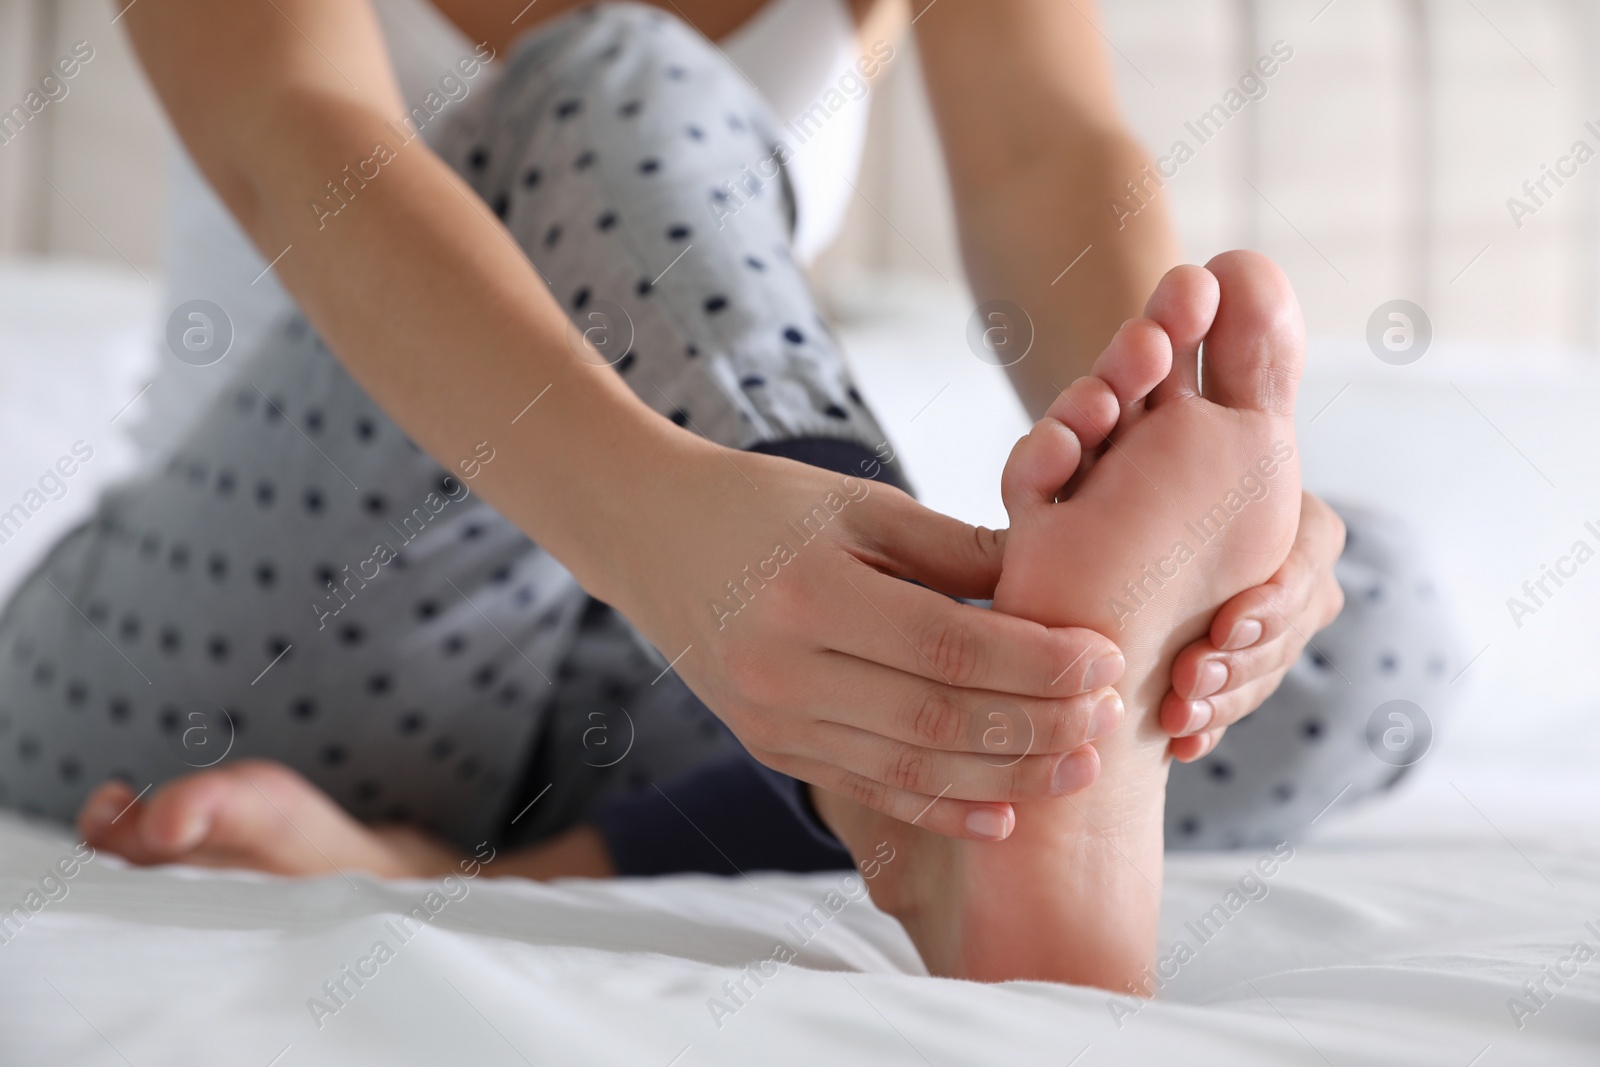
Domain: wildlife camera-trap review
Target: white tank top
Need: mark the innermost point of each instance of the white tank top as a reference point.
(794, 51)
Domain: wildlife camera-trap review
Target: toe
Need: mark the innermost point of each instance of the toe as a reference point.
(1184, 304)
(177, 820)
(1138, 358)
(1089, 408)
(1039, 466)
(110, 821)
(1255, 349)
(228, 813)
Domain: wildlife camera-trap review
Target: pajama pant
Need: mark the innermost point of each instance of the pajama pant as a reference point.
(300, 583)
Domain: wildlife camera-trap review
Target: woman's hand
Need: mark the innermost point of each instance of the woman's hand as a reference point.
(1255, 638)
(779, 592)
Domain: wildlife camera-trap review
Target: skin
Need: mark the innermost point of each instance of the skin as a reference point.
(271, 100)
(1074, 893)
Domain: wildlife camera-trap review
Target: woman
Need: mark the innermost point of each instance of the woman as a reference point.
(452, 682)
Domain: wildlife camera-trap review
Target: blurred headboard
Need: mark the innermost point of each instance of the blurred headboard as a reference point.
(86, 176)
(1378, 163)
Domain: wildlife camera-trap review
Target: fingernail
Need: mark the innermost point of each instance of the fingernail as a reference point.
(1200, 713)
(1245, 633)
(1213, 676)
(1107, 716)
(1103, 671)
(987, 823)
(1073, 773)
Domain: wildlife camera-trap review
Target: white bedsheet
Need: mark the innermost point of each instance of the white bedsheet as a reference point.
(1400, 947)
(1396, 936)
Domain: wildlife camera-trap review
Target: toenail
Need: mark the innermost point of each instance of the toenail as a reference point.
(1245, 633)
(987, 823)
(1213, 676)
(1107, 716)
(103, 810)
(1073, 773)
(1200, 713)
(1103, 671)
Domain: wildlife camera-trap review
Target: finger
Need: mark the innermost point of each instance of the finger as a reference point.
(1182, 717)
(900, 536)
(1038, 467)
(896, 624)
(959, 776)
(1305, 581)
(903, 707)
(1200, 670)
(1189, 749)
(1229, 708)
(961, 819)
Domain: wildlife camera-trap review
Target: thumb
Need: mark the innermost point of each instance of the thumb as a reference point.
(902, 537)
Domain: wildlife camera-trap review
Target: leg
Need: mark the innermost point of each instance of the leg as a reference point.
(604, 146)
(1197, 501)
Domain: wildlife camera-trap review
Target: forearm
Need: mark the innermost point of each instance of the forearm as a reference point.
(413, 284)
(1037, 150)
(1045, 238)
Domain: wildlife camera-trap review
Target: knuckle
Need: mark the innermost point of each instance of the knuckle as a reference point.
(936, 718)
(864, 791)
(906, 767)
(1023, 780)
(951, 648)
(787, 602)
(1335, 602)
(1059, 725)
(750, 674)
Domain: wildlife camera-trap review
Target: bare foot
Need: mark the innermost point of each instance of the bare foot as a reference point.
(1190, 498)
(256, 815)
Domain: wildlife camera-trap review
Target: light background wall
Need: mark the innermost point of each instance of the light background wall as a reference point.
(1378, 165)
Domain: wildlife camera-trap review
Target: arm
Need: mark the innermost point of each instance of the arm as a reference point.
(1036, 151)
(433, 309)
(273, 100)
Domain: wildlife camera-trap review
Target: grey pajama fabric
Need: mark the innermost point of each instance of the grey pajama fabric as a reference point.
(300, 583)
(420, 647)
(1354, 714)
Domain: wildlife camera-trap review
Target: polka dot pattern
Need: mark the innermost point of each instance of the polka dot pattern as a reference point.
(244, 574)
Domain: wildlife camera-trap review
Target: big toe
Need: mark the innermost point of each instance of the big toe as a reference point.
(1255, 349)
(233, 811)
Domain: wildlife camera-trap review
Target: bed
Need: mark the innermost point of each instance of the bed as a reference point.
(1402, 932)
